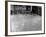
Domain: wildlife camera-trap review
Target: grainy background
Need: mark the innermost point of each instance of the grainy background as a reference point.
(25, 18)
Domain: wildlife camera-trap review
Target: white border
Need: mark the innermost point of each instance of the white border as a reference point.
(29, 32)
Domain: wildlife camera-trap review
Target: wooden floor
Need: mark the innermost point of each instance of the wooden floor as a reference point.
(25, 22)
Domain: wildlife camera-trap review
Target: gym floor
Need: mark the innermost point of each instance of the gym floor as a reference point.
(25, 22)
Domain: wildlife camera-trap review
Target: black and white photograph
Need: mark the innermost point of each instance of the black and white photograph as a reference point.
(25, 18)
